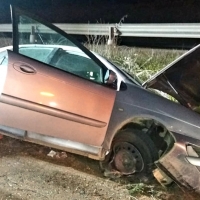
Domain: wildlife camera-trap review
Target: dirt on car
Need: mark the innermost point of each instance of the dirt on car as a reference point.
(30, 171)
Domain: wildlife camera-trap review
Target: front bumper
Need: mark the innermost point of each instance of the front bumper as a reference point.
(175, 166)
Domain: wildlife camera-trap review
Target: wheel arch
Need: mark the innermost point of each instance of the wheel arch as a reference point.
(157, 128)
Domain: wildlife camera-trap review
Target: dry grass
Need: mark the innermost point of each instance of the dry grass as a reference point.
(142, 62)
(5, 41)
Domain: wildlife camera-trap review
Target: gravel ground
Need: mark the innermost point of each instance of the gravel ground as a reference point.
(27, 172)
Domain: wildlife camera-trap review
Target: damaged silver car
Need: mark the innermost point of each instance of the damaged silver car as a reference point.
(55, 92)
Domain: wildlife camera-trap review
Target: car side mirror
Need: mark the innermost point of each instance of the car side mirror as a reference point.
(110, 78)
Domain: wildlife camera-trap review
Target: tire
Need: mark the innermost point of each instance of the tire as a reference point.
(132, 152)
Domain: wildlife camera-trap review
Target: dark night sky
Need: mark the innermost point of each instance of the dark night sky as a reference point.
(108, 11)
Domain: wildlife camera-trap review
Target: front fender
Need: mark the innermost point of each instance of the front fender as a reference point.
(138, 103)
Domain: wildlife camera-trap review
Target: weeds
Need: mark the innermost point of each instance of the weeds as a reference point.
(143, 189)
(141, 62)
(151, 191)
(135, 189)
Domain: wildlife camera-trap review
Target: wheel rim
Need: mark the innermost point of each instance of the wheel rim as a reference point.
(127, 159)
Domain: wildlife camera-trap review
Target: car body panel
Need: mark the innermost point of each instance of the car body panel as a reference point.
(183, 123)
(180, 79)
(136, 102)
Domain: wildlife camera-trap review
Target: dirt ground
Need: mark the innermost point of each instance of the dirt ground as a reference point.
(27, 172)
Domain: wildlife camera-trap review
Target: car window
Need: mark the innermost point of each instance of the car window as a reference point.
(35, 52)
(77, 64)
(39, 42)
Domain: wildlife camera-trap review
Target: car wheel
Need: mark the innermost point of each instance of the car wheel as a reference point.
(132, 152)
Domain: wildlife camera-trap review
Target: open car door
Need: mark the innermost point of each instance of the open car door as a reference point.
(54, 86)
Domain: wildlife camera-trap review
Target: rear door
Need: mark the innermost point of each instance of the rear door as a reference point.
(54, 85)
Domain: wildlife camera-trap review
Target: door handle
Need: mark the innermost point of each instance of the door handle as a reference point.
(27, 69)
(24, 68)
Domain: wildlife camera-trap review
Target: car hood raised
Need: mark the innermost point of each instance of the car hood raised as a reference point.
(180, 79)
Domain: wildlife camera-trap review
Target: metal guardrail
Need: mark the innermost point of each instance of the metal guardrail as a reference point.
(176, 30)
(161, 30)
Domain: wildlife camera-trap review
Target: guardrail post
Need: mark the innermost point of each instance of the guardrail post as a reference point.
(111, 35)
(32, 35)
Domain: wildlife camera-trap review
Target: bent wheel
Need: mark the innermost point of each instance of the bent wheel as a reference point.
(127, 159)
(132, 152)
